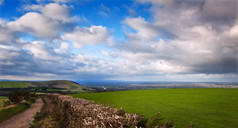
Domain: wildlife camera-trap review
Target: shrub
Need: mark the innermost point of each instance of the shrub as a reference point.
(17, 96)
(6, 103)
(142, 123)
(26, 95)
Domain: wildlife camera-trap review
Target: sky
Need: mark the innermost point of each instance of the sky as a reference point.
(131, 40)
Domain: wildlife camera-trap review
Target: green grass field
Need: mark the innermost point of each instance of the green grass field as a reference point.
(206, 108)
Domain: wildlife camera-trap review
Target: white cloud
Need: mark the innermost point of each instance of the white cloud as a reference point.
(105, 53)
(192, 46)
(233, 31)
(198, 49)
(63, 1)
(43, 21)
(148, 63)
(53, 11)
(90, 36)
(5, 36)
(36, 24)
(39, 51)
(111, 54)
(57, 1)
(8, 52)
(179, 38)
(144, 30)
(64, 48)
(57, 12)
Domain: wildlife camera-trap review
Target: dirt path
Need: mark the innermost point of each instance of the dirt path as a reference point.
(23, 120)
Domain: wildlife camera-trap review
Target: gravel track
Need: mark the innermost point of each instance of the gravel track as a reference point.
(24, 119)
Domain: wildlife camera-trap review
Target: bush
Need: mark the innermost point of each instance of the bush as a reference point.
(142, 123)
(17, 96)
(26, 95)
(6, 103)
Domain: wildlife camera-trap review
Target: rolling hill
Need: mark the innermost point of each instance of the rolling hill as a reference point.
(61, 84)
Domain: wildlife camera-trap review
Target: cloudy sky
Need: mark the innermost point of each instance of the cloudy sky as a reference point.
(145, 40)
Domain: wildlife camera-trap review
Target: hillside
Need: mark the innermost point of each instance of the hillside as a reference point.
(62, 84)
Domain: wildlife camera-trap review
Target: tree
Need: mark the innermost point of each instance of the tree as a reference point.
(15, 97)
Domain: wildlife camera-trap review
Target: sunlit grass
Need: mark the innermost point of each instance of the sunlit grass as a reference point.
(206, 108)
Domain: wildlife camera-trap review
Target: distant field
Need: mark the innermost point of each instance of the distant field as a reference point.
(12, 84)
(206, 108)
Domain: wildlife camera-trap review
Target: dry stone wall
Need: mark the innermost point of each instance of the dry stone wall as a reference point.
(80, 113)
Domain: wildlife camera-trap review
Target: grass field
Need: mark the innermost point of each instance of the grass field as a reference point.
(206, 108)
(12, 84)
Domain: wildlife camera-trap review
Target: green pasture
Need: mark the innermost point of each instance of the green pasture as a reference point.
(206, 108)
(12, 84)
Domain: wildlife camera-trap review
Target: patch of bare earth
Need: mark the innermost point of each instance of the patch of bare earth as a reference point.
(9, 106)
(24, 119)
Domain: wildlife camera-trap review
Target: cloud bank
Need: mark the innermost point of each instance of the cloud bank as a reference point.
(180, 41)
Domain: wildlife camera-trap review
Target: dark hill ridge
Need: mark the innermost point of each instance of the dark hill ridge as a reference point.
(62, 84)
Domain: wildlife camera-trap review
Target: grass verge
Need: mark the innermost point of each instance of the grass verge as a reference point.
(46, 118)
(6, 114)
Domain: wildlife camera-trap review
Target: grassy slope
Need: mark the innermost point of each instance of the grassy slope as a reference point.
(57, 84)
(206, 108)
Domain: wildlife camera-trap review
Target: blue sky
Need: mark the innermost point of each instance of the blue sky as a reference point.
(144, 40)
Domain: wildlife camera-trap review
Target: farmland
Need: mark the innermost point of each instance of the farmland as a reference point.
(54, 86)
(206, 107)
(61, 84)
